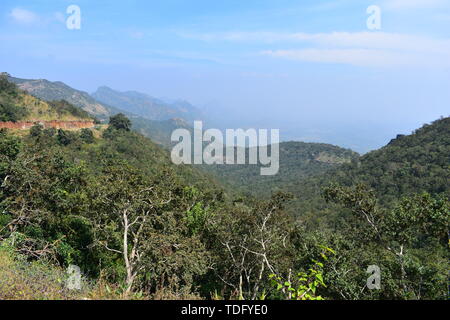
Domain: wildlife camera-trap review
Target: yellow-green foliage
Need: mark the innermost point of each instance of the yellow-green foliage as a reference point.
(17, 105)
(41, 110)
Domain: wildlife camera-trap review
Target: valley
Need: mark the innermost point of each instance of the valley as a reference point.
(108, 199)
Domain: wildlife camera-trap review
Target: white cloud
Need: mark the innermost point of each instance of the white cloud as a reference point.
(378, 40)
(356, 48)
(374, 49)
(356, 57)
(23, 16)
(363, 39)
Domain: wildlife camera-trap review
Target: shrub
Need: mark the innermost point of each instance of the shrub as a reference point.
(120, 122)
(36, 130)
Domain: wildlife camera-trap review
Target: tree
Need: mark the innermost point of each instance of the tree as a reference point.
(137, 218)
(5, 84)
(120, 122)
(49, 132)
(408, 240)
(87, 136)
(253, 241)
(65, 137)
(36, 130)
(304, 285)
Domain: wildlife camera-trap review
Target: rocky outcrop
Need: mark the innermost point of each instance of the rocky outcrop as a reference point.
(24, 125)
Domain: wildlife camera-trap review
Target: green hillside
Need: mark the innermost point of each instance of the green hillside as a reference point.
(17, 105)
(50, 91)
(67, 183)
(408, 165)
(111, 202)
(298, 161)
(158, 131)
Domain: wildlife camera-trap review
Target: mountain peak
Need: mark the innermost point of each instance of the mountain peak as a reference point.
(147, 106)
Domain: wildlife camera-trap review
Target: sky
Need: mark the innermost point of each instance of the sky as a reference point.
(311, 68)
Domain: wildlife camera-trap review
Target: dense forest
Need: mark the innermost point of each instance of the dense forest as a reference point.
(298, 161)
(406, 166)
(111, 202)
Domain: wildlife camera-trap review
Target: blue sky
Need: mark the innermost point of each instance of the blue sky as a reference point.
(310, 68)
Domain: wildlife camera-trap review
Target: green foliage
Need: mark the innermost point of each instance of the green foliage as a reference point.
(49, 132)
(118, 208)
(74, 209)
(65, 137)
(36, 130)
(6, 86)
(17, 105)
(21, 279)
(120, 122)
(419, 215)
(9, 145)
(9, 110)
(197, 215)
(298, 161)
(306, 283)
(409, 241)
(62, 107)
(87, 136)
(409, 164)
(251, 241)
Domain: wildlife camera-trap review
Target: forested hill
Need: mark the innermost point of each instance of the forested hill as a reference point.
(298, 161)
(111, 202)
(60, 194)
(17, 105)
(409, 164)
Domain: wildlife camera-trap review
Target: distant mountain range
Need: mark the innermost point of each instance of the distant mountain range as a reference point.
(147, 106)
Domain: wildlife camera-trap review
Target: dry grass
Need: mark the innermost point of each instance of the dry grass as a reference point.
(40, 110)
(23, 280)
